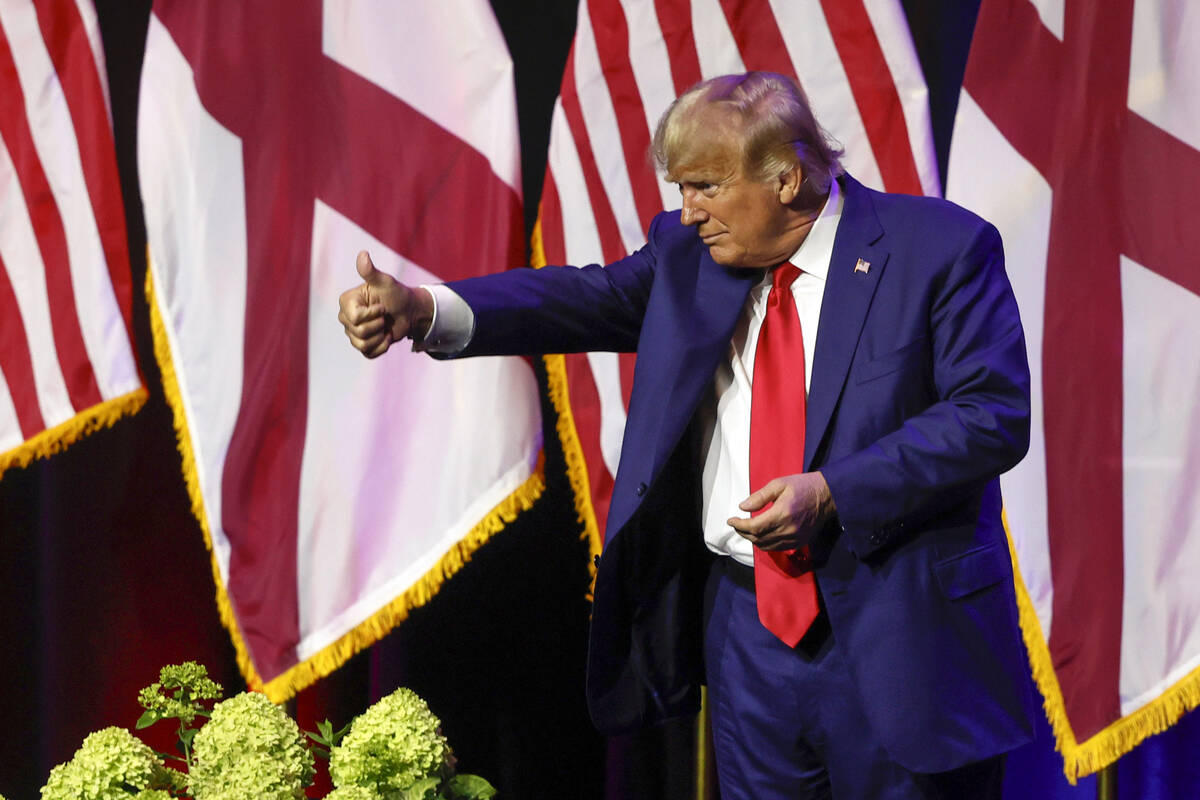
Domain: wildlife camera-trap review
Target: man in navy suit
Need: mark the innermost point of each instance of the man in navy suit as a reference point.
(908, 677)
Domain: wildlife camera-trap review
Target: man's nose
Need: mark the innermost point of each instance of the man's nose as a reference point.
(691, 213)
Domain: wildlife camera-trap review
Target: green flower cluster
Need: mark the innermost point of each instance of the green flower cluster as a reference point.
(347, 793)
(391, 746)
(250, 748)
(111, 764)
(177, 692)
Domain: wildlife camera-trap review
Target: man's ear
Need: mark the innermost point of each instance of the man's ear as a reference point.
(789, 185)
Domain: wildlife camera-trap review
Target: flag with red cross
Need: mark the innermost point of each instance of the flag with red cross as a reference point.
(1078, 135)
(276, 140)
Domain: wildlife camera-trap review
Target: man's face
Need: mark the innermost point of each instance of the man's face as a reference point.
(741, 219)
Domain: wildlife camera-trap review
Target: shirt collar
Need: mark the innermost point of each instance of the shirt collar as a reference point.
(816, 250)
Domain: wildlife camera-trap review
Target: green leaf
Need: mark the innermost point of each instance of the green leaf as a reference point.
(326, 736)
(147, 719)
(186, 735)
(470, 787)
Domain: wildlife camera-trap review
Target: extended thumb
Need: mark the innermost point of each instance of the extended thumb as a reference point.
(366, 269)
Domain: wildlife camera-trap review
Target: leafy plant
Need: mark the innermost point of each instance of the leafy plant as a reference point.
(396, 750)
(246, 747)
(182, 693)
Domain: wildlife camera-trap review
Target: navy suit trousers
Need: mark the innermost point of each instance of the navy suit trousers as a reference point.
(789, 723)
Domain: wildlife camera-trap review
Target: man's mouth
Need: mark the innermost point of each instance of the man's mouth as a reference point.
(709, 238)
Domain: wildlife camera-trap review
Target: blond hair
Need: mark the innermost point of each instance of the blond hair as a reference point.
(773, 125)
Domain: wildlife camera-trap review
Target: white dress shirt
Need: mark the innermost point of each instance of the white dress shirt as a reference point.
(725, 414)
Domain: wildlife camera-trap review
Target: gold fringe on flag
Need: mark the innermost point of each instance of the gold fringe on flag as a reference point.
(568, 435)
(191, 475)
(370, 630)
(67, 432)
(1115, 740)
(375, 627)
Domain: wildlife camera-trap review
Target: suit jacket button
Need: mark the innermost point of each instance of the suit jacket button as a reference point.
(641, 489)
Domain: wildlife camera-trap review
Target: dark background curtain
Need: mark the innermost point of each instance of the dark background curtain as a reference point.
(104, 576)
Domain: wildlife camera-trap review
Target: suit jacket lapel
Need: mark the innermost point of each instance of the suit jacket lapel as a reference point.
(704, 333)
(693, 322)
(848, 294)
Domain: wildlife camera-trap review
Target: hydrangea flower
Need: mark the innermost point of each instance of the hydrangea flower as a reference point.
(111, 764)
(391, 746)
(250, 748)
(177, 691)
(346, 793)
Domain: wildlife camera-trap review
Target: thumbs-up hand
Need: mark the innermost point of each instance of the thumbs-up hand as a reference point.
(381, 310)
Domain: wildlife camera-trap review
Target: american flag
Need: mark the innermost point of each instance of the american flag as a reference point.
(276, 140)
(630, 59)
(66, 362)
(1077, 136)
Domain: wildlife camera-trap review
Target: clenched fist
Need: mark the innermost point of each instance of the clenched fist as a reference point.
(381, 310)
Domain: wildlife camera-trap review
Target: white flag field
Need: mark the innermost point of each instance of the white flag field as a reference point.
(67, 364)
(276, 140)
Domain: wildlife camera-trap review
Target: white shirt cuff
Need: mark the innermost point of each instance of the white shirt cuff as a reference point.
(453, 322)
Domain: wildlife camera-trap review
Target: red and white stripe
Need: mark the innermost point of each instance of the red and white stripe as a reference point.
(64, 261)
(630, 59)
(276, 140)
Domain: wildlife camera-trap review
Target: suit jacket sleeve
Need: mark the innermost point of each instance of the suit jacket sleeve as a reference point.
(976, 428)
(562, 309)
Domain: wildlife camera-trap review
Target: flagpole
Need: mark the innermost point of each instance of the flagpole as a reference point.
(1106, 783)
(706, 773)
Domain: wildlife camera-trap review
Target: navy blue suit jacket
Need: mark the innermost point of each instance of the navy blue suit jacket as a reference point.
(919, 399)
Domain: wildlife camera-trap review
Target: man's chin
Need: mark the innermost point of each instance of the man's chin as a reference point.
(725, 258)
(721, 255)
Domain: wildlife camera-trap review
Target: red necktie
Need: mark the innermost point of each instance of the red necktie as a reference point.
(783, 582)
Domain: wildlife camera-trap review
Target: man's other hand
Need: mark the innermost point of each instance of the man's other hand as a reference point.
(381, 310)
(787, 512)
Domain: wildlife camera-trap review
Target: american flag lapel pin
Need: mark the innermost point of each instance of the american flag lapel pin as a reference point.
(862, 266)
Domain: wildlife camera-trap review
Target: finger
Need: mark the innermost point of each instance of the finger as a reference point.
(760, 499)
(379, 349)
(739, 524)
(348, 316)
(365, 343)
(766, 537)
(363, 314)
(751, 527)
(369, 328)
